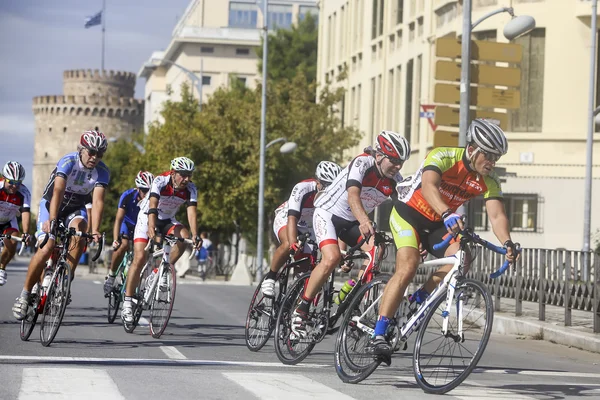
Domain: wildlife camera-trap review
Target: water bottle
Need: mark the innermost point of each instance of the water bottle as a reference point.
(417, 298)
(47, 279)
(151, 278)
(346, 288)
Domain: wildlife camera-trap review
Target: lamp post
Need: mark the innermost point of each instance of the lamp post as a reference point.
(286, 147)
(197, 80)
(587, 209)
(516, 27)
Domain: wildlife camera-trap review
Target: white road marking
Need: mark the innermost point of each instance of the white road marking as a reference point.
(97, 282)
(173, 353)
(151, 361)
(278, 386)
(143, 322)
(562, 374)
(81, 383)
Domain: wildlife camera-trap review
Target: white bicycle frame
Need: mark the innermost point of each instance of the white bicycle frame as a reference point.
(447, 287)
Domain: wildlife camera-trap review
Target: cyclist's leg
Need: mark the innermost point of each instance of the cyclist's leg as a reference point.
(351, 236)
(177, 229)
(36, 265)
(77, 220)
(327, 239)
(10, 247)
(117, 256)
(279, 257)
(407, 261)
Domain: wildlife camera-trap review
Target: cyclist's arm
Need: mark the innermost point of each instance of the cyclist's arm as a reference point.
(498, 219)
(58, 193)
(153, 204)
(97, 208)
(356, 205)
(25, 218)
(192, 214)
(292, 229)
(430, 186)
(118, 221)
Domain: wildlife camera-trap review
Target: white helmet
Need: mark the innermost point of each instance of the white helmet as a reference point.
(487, 136)
(182, 164)
(13, 171)
(327, 171)
(144, 179)
(393, 145)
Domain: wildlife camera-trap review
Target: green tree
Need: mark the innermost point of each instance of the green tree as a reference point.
(291, 51)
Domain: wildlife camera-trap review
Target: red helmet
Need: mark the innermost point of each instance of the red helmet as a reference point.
(393, 145)
(94, 140)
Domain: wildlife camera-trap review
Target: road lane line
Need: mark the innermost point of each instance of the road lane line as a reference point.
(97, 282)
(143, 322)
(173, 353)
(6, 359)
(83, 383)
(278, 386)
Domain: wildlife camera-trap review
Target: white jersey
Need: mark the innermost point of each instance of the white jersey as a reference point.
(13, 204)
(301, 202)
(169, 199)
(362, 173)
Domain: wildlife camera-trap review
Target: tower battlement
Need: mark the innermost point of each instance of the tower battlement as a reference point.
(87, 82)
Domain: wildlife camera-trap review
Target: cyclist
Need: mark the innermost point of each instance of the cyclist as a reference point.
(75, 177)
(425, 212)
(15, 198)
(343, 208)
(296, 215)
(169, 191)
(125, 221)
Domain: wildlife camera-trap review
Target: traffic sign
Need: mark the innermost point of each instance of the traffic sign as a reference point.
(427, 114)
(480, 73)
(481, 50)
(448, 116)
(443, 138)
(480, 96)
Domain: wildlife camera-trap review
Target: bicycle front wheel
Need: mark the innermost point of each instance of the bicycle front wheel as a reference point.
(56, 303)
(114, 300)
(162, 301)
(28, 323)
(260, 320)
(352, 361)
(441, 361)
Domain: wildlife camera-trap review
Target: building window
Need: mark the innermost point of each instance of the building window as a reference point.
(522, 211)
(489, 35)
(206, 80)
(399, 11)
(243, 15)
(65, 129)
(528, 118)
(242, 52)
(242, 80)
(377, 18)
(280, 17)
(207, 49)
(478, 214)
(305, 10)
(408, 110)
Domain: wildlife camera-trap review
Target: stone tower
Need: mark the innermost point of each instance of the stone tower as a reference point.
(91, 100)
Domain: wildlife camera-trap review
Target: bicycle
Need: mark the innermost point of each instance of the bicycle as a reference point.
(262, 312)
(117, 293)
(453, 315)
(292, 349)
(149, 296)
(51, 297)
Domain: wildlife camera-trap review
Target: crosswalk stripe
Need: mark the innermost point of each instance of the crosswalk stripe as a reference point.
(278, 386)
(173, 353)
(81, 383)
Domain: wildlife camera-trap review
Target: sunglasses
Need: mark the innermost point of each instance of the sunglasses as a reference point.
(491, 157)
(14, 182)
(395, 161)
(96, 153)
(184, 174)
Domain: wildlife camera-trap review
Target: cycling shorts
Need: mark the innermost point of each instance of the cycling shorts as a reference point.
(11, 226)
(127, 230)
(328, 228)
(66, 217)
(164, 226)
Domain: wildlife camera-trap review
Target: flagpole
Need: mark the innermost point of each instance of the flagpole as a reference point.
(103, 29)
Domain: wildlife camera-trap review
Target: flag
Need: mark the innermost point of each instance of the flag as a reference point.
(94, 20)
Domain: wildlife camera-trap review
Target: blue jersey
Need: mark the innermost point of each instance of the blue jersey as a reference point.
(81, 181)
(129, 202)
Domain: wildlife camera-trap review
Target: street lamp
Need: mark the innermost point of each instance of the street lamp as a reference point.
(195, 79)
(286, 148)
(516, 27)
(587, 209)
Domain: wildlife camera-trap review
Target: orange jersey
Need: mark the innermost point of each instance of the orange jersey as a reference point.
(459, 182)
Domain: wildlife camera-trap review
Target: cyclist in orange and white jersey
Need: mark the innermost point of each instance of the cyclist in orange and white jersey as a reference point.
(296, 216)
(425, 212)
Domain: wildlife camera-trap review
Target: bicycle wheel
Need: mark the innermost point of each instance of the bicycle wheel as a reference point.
(28, 323)
(162, 301)
(352, 362)
(291, 349)
(56, 303)
(114, 300)
(259, 320)
(441, 362)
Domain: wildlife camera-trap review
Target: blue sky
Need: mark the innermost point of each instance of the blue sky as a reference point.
(39, 39)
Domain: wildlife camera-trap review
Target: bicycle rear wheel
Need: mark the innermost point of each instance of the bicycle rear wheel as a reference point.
(442, 362)
(352, 362)
(291, 349)
(114, 300)
(28, 323)
(162, 301)
(56, 303)
(260, 320)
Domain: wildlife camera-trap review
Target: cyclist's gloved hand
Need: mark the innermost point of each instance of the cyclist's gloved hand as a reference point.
(294, 248)
(25, 238)
(347, 266)
(452, 221)
(513, 251)
(197, 242)
(116, 244)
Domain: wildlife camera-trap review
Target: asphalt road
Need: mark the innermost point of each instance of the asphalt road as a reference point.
(202, 355)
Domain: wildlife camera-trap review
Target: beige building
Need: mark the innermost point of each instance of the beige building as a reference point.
(215, 40)
(388, 50)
